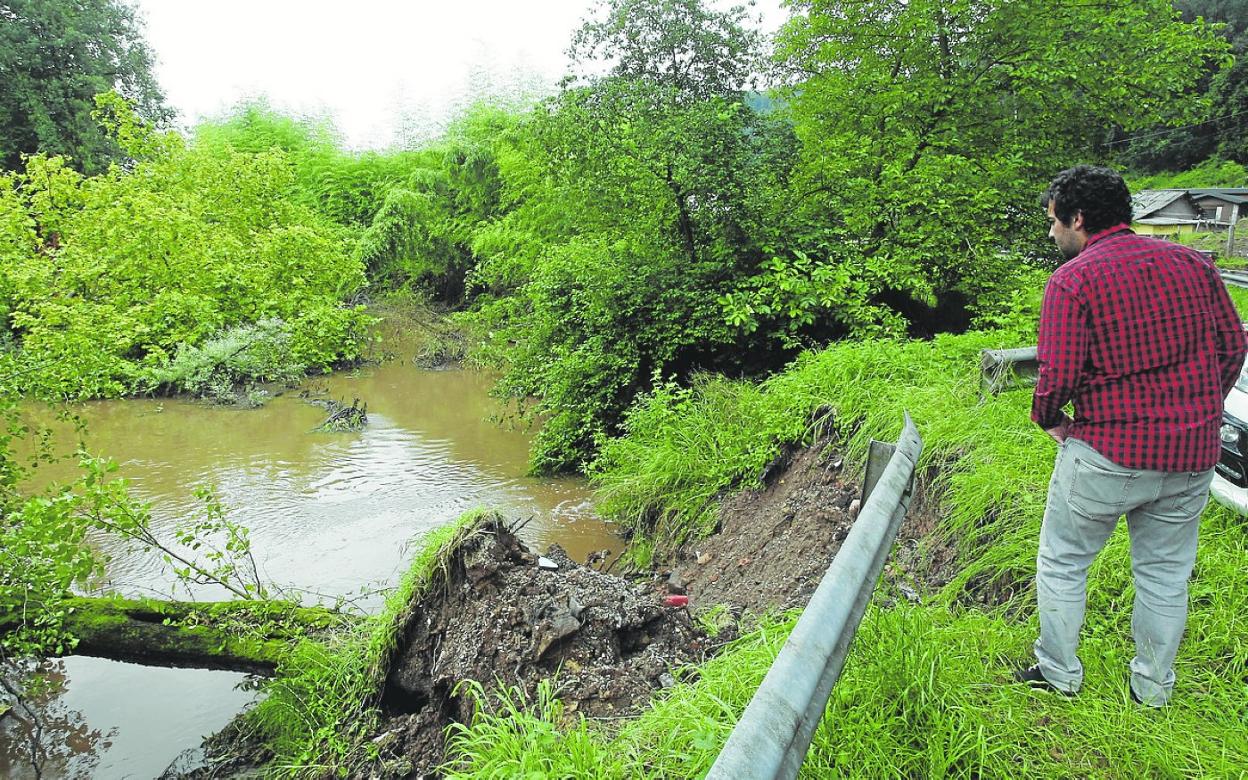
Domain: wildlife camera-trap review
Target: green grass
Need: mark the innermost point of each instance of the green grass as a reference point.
(523, 739)
(322, 703)
(924, 692)
(685, 448)
(1239, 295)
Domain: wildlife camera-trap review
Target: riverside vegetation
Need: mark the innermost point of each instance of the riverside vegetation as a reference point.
(672, 267)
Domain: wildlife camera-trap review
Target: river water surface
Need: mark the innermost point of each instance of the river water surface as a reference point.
(330, 515)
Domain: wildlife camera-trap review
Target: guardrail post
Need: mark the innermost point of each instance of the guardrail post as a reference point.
(879, 453)
(774, 733)
(1230, 231)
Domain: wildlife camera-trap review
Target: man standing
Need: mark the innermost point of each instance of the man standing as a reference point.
(1142, 336)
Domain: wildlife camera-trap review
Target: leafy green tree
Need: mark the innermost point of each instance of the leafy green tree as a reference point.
(1224, 85)
(1230, 104)
(415, 209)
(631, 202)
(421, 237)
(1232, 13)
(693, 51)
(670, 112)
(345, 186)
(55, 57)
(927, 127)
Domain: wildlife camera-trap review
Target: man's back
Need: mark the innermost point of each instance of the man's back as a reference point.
(1149, 388)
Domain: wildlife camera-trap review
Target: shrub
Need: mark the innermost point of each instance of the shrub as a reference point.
(241, 355)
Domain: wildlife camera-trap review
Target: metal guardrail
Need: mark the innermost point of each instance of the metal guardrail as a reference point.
(1236, 278)
(1003, 369)
(772, 737)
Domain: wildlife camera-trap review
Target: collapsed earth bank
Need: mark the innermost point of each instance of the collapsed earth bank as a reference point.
(502, 615)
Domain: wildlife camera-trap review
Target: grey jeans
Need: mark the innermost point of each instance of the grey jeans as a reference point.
(1087, 495)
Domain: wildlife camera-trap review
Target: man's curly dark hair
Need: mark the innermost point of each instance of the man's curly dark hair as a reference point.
(1098, 192)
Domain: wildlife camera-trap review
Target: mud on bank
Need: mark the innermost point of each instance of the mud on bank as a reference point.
(500, 614)
(505, 616)
(774, 543)
(609, 641)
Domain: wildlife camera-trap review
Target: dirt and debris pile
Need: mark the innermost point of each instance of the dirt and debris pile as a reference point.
(501, 614)
(508, 616)
(775, 543)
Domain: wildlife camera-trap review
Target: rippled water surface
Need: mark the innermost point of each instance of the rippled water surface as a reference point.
(330, 514)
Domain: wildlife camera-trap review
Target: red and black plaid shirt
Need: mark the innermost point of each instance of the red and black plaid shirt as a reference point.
(1141, 334)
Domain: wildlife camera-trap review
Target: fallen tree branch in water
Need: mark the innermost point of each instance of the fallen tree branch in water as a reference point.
(344, 418)
(245, 636)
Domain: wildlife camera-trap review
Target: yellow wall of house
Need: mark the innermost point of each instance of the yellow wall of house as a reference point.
(1163, 230)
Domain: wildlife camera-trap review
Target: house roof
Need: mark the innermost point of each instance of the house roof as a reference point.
(1236, 191)
(1145, 202)
(1166, 221)
(1222, 196)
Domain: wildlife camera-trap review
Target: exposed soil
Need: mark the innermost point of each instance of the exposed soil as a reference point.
(774, 543)
(506, 616)
(502, 615)
(924, 559)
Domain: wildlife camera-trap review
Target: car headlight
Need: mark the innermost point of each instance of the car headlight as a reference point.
(1228, 433)
(1234, 438)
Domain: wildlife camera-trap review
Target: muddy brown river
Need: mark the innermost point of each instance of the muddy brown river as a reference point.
(330, 514)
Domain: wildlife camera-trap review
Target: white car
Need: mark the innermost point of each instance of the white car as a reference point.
(1230, 478)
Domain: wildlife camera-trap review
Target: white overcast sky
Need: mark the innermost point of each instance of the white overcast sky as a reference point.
(365, 63)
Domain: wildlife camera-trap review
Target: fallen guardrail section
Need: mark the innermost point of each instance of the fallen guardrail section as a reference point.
(1003, 369)
(774, 733)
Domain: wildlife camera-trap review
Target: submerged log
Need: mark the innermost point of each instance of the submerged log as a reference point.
(244, 636)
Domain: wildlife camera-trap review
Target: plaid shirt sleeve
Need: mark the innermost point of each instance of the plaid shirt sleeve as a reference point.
(1229, 331)
(1062, 352)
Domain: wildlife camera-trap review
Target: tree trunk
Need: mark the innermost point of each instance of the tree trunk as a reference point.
(684, 224)
(245, 636)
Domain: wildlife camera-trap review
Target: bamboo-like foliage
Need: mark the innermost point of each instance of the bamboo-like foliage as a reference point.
(109, 276)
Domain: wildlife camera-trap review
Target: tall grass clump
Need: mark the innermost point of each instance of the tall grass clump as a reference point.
(518, 737)
(322, 702)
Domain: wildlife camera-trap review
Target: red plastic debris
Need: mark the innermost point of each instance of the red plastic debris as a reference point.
(675, 601)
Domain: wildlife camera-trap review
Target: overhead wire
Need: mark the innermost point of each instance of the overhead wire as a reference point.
(1170, 130)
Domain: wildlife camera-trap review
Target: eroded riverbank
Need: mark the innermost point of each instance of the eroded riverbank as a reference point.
(330, 515)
